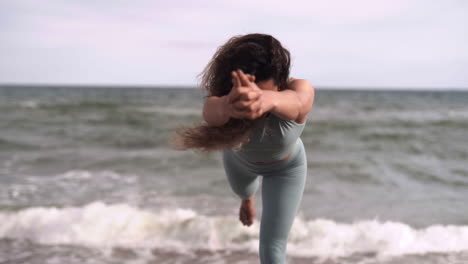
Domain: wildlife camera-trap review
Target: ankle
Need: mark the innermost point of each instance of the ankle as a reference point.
(250, 200)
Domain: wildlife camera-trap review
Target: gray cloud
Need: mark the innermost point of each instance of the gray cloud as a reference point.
(360, 43)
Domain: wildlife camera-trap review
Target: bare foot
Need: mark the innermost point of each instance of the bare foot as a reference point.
(247, 211)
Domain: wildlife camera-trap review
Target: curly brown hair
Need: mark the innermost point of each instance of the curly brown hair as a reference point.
(257, 54)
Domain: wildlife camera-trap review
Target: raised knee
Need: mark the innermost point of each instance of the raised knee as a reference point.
(244, 194)
(245, 191)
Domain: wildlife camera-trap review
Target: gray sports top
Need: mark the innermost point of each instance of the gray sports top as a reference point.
(272, 139)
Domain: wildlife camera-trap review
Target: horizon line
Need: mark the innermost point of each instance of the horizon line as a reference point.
(158, 86)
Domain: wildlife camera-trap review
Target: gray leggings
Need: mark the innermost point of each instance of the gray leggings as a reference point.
(282, 188)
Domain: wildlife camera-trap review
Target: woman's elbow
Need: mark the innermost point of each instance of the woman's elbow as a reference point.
(306, 95)
(212, 118)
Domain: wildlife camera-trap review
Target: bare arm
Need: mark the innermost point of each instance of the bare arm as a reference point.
(218, 110)
(291, 104)
(215, 110)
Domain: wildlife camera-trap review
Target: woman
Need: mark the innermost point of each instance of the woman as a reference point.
(254, 114)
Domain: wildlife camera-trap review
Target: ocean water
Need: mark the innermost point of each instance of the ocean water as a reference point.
(87, 176)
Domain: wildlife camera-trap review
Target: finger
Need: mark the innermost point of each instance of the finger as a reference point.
(255, 111)
(233, 95)
(251, 77)
(255, 107)
(235, 79)
(239, 80)
(247, 97)
(244, 109)
(252, 82)
(252, 110)
(243, 78)
(237, 93)
(241, 93)
(242, 105)
(245, 93)
(250, 95)
(253, 94)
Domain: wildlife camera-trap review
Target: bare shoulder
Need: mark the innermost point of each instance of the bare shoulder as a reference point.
(306, 93)
(300, 85)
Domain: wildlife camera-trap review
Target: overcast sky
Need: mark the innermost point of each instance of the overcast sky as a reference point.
(360, 43)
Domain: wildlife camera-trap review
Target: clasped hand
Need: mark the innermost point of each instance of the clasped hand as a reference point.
(245, 99)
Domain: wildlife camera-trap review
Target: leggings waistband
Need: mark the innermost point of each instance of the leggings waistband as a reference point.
(297, 153)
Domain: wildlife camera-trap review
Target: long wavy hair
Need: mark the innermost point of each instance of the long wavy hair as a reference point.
(257, 54)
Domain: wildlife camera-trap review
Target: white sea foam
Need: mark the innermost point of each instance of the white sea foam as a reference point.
(173, 111)
(101, 225)
(84, 175)
(29, 104)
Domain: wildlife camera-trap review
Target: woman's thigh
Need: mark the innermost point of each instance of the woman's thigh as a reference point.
(242, 181)
(281, 198)
(282, 192)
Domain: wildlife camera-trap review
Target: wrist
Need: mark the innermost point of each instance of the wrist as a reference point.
(225, 113)
(269, 100)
